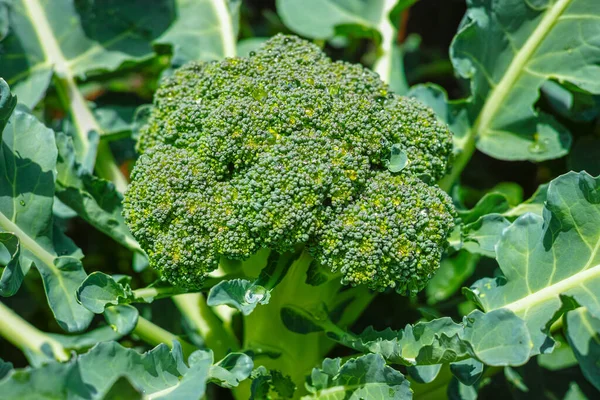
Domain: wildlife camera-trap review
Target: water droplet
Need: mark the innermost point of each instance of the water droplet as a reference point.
(287, 40)
(333, 90)
(273, 136)
(252, 53)
(538, 147)
(380, 99)
(259, 94)
(22, 202)
(255, 294)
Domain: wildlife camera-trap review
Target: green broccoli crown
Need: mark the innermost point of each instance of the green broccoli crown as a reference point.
(282, 148)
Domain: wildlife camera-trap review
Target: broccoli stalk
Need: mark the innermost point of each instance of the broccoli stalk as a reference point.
(276, 347)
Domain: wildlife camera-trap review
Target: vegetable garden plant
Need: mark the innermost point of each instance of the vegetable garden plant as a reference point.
(304, 199)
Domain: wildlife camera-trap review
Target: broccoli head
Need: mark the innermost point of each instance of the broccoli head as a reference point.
(287, 148)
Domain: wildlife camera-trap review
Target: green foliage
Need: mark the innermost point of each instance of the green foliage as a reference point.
(92, 374)
(508, 49)
(537, 267)
(27, 179)
(359, 378)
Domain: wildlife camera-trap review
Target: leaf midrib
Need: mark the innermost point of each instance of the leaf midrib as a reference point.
(27, 242)
(552, 291)
(46, 37)
(226, 26)
(498, 95)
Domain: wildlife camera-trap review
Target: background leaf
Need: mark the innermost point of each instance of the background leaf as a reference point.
(72, 39)
(583, 333)
(27, 175)
(544, 258)
(204, 30)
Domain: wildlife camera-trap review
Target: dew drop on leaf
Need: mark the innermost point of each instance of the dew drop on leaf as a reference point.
(255, 294)
(537, 147)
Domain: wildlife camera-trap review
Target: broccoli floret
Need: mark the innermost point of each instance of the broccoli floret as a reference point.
(286, 148)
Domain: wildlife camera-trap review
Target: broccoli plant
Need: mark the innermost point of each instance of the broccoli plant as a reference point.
(286, 161)
(227, 199)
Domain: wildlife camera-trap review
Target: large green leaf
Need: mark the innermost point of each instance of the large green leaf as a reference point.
(323, 19)
(27, 175)
(72, 39)
(544, 258)
(8, 101)
(495, 338)
(160, 374)
(508, 49)
(204, 30)
(365, 377)
(94, 199)
(583, 333)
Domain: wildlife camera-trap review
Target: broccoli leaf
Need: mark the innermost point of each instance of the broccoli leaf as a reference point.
(204, 30)
(245, 295)
(583, 334)
(72, 39)
(270, 384)
(94, 199)
(122, 318)
(495, 338)
(546, 258)
(91, 375)
(365, 377)
(481, 236)
(27, 178)
(99, 292)
(359, 18)
(508, 50)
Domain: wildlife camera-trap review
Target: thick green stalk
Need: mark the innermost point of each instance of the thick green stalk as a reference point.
(266, 335)
(26, 336)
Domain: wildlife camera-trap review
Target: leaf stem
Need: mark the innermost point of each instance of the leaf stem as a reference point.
(226, 24)
(71, 98)
(553, 291)
(85, 122)
(155, 335)
(27, 337)
(383, 65)
(200, 316)
(460, 162)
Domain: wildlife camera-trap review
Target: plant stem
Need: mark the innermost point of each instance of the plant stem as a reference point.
(200, 316)
(155, 335)
(266, 334)
(383, 65)
(26, 336)
(460, 162)
(152, 292)
(156, 292)
(85, 122)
